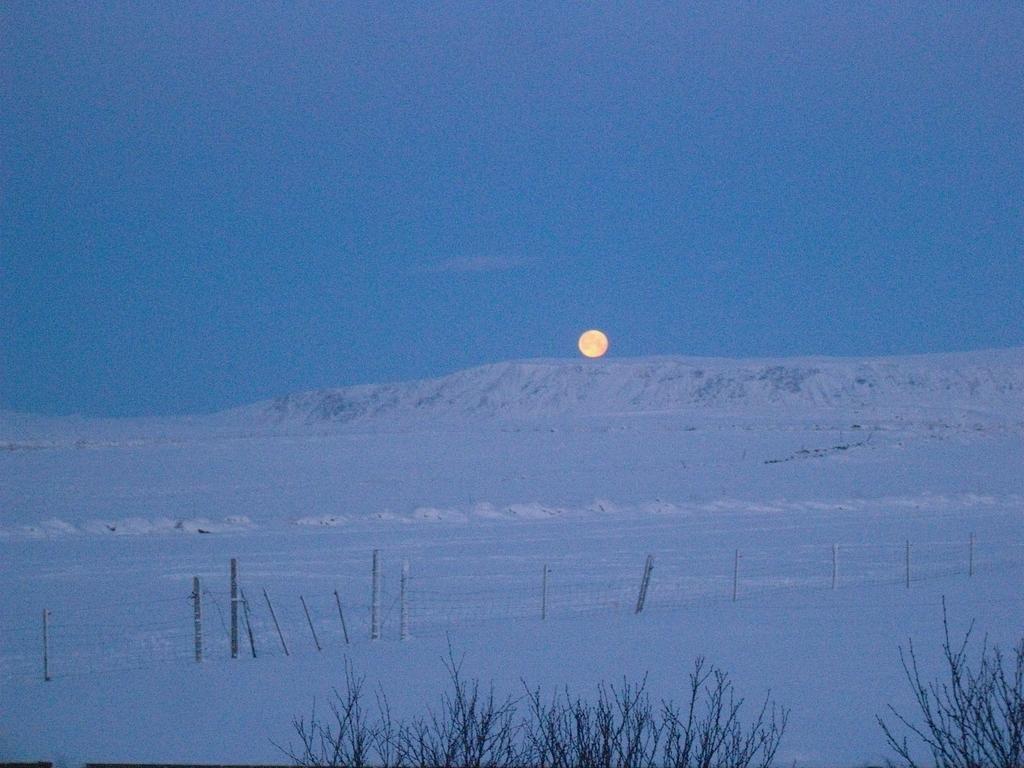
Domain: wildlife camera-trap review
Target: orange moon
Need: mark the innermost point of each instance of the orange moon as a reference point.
(593, 343)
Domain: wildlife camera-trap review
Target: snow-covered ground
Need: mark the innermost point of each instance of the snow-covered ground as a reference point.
(479, 480)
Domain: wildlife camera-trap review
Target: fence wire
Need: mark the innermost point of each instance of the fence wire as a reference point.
(124, 635)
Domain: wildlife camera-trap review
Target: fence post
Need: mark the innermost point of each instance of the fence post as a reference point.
(544, 593)
(276, 625)
(344, 629)
(644, 581)
(197, 618)
(248, 623)
(970, 556)
(735, 574)
(908, 563)
(403, 631)
(234, 608)
(46, 645)
(835, 564)
(375, 598)
(316, 640)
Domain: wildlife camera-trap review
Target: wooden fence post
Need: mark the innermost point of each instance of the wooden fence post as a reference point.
(375, 598)
(544, 593)
(316, 640)
(344, 629)
(276, 625)
(835, 564)
(735, 575)
(248, 622)
(197, 618)
(403, 631)
(234, 608)
(46, 645)
(908, 563)
(644, 582)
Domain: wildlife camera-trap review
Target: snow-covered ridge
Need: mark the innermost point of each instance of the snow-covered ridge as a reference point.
(944, 385)
(992, 380)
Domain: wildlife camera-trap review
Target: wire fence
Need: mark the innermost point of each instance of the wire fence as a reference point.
(118, 635)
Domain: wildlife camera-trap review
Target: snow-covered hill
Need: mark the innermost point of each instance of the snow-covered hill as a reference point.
(986, 381)
(986, 384)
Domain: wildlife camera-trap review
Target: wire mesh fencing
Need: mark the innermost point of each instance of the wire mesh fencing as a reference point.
(326, 615)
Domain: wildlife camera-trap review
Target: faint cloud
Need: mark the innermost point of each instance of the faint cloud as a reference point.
(463, 264)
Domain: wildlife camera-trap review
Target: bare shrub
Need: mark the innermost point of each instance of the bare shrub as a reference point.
(713, 735)
(622, 729)
(346, 737)
(474, 728)
(619, 729)
(973, 717)
(471, 729)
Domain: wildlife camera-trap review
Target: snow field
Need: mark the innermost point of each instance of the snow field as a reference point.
(122, 621)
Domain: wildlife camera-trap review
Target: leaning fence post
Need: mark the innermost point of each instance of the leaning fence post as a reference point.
(403, 631)
(344, 629)
(197, 618)
(316, 640)
(46, 645)
(234, 608)
(276, 625)
(375, 598)
(644, 582)
(248, 623)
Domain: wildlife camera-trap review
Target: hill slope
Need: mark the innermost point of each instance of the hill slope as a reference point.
(986, 381)
(987, 385)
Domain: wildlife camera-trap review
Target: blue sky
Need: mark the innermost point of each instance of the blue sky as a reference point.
(207, 204)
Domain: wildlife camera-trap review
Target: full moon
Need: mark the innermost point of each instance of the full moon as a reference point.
(593, 343)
